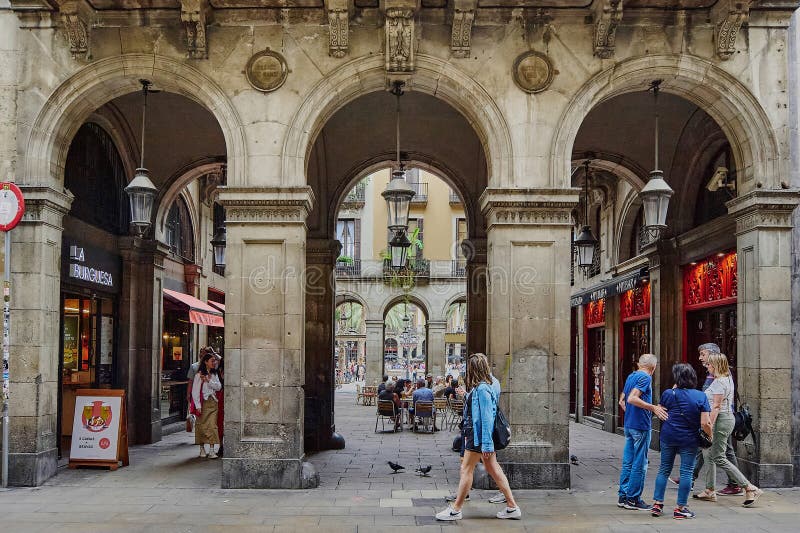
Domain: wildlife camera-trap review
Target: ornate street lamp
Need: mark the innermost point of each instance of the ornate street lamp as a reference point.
(398, 195)
(218, 243)
(585, 243)
(656, 194)
(141, 191)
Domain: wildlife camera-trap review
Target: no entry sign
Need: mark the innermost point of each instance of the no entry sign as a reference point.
(12, 205)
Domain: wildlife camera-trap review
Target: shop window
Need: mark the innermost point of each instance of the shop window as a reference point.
(95, 175)
(179, 235)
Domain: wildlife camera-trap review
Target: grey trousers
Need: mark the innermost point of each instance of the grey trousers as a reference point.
(729, 454)
(715, 455)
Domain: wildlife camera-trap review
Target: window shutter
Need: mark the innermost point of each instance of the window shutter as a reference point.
(419, 225)
(357, 239)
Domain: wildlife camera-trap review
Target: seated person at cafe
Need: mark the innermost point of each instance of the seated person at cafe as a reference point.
(439, 387)
(388, 394)
(450, 390)
(422, 394)
(383, 384)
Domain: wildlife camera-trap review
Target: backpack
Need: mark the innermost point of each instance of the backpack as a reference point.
(743, 425)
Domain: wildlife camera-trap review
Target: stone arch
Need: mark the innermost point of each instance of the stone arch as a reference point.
(94, 85)
(616, 164)
(738, 113)
(461, 297)
(343, 296)
(623, 232)
(184, 177)
(365, 75)
(415, 299)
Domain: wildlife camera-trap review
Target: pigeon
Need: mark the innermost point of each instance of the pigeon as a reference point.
(423, 470)
(396, 467)
(573, 459)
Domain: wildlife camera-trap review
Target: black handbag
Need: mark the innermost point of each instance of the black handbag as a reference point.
(501, 434)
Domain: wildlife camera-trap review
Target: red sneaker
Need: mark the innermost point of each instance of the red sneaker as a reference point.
(730, 490)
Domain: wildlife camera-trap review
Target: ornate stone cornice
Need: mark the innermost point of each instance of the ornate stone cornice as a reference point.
(322, 251)
(288, 205)
(338, 27)
(608, 14)
(531, 207)
(461, 32)
(193, 17)
(399, 35)
(730, 15)
(76, 17)
(768, 209)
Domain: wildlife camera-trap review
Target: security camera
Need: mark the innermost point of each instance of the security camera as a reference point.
(720, 179)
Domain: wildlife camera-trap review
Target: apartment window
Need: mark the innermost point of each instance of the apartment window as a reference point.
(180, 237)
(461, 234)
(348, 232)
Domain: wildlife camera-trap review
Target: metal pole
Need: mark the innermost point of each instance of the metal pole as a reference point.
(6, 346)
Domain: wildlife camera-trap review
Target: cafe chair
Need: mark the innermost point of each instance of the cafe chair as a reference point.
(386, 409)
(423, 415)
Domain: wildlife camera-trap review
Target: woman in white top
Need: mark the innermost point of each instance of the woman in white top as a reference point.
(206, 384)
(720, 396)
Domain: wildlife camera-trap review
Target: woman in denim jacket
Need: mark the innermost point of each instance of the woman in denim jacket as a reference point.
(480, 410)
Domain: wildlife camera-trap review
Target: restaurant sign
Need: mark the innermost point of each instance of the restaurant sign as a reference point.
(609, 288)
(90, 267)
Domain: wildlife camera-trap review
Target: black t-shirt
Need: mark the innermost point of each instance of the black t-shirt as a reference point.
(449, 391)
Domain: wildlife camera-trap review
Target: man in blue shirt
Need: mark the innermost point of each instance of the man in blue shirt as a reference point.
(636, 400)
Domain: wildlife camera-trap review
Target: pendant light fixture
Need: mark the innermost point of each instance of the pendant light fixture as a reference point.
(585, 243)
(398, 195)
(141, 191)
(656, 194)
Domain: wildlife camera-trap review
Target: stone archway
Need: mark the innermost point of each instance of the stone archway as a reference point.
(731, 104)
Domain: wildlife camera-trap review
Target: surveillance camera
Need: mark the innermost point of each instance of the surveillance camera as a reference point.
(720, 179)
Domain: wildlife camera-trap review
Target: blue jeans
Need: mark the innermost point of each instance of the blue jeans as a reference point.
(668, 453)
(634, 463)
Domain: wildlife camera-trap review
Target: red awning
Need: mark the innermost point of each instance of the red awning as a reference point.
(199, 311)
(218, 305)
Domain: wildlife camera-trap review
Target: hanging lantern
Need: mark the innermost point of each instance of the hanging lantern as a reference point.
(218, 243)
(398, 195)
(586, 245)
(655, 201)
(398, 249)
(141, 194)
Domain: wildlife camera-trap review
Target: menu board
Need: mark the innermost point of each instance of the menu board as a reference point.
(99, 428)
(71, 342)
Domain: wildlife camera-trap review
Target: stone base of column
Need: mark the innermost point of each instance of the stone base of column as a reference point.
(767, 475)
(527, 476)
(32, 469)
(242, 473)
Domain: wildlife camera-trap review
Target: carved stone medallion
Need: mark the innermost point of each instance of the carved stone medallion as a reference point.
(533, 72)
(266, 71)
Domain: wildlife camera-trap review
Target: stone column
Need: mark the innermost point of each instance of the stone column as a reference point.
(140, 330)
(264, 338)
(666, 312)
(437, 352)
(9, 75)
(320, 386)
(34, 351)
(763, 246)
(374, 355)
(477, 279)
(528, 335)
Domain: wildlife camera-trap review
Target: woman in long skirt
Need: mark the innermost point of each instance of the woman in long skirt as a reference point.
(206, 384)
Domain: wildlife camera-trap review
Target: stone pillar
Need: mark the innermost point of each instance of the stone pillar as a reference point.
(763, 246)
(528, 335)
(34, 352)
(9, 75)
(666, 313)
(140, 330)
(264, 338)
(374, 355)
(477, 279)
(437, 351)
(320, 386)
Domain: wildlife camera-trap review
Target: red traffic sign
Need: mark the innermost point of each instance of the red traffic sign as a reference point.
(12, 205)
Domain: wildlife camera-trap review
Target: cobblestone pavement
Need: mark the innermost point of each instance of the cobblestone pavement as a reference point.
(168, 488)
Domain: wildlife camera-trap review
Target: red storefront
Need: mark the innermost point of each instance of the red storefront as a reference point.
(594, 334)
(634, 332)
(709, 307)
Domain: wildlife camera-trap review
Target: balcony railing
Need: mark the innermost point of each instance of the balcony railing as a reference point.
(357, 196)
(420, 192)
(454, 198)
(348, 269)
(419, 267)
(459, 268)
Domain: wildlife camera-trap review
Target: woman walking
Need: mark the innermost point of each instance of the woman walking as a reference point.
(480, 410)
(206, 384)
(687, 411)
(720, 396)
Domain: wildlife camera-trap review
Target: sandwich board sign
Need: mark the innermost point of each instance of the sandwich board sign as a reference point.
(99, 429)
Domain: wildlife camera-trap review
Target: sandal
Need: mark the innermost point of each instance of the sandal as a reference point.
(707, 495)
(751, 496)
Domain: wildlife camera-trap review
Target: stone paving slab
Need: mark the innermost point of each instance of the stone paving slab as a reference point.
(168, 488)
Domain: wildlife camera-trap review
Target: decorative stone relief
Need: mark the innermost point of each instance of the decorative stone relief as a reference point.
(730, 19)
(265, 214)
(461, 34)
(533, 72)
(399, 40)
(193, 17)
(338, 27)
(607, 17)
(75, 19)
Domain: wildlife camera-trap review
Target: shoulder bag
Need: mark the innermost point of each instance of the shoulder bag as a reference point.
(501, 434)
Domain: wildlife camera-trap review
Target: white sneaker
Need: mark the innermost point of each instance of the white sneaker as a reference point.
(213, 455)
(449, 515)
(513, 514)
(203, 453)
(498, 498)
